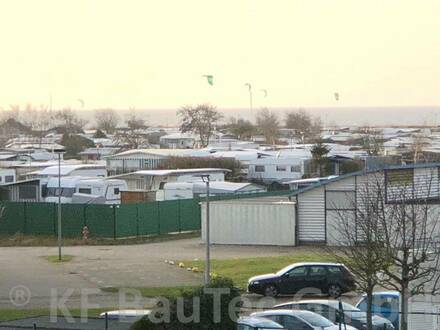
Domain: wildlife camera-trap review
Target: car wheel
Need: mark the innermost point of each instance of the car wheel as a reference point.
(270, 291)
(334, 291)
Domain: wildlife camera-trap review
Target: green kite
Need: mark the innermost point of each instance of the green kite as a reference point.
(209, 78)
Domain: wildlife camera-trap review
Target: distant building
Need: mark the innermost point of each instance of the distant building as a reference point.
(183, 190)
(177, 141)
(273, 169)
(86, 170)
(139, 159)
(153, 180)
(21, 191)
(94, 154)
(7, 175)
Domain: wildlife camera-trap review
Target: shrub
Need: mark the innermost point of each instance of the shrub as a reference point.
(186, 305)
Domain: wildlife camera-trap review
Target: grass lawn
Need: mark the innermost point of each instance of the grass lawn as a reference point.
(55, 259)
(12, 314)
(172, 291)
(240, 270)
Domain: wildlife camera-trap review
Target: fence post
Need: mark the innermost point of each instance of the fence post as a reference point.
(158, 218)
(25, 218)
(137, 220)
(114, 221)
(84, 206)
(179, 217)
(55, 218)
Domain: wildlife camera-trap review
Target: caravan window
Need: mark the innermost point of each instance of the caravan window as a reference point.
(51, 192)
(9, 178)
(259, 168)
(67, 192)
(116, 191)
(295, 168)
(85, 191)
(281, 168)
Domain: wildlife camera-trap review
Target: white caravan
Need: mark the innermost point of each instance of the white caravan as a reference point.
(85, 190)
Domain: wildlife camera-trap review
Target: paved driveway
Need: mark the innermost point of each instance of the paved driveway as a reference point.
(96, 267)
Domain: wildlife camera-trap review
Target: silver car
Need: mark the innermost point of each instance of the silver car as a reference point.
(299, 320)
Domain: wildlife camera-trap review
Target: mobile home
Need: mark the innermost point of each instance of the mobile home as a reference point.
(85, 190)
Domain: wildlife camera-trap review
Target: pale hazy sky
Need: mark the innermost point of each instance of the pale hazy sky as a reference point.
(151, 54)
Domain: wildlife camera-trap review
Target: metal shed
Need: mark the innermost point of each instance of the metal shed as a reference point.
(259, 221)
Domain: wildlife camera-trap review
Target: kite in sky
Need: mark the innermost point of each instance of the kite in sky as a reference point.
(209, 78)
(337, 96)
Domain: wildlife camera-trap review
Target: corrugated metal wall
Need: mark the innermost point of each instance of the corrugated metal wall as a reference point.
(252, 223)
(311, 216)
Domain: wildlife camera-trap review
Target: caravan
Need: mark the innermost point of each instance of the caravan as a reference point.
(81, 190)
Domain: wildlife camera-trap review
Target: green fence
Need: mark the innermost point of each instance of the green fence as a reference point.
(110, 221)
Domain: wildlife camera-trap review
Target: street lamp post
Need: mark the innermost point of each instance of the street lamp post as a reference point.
(205, 179)
(59, 152)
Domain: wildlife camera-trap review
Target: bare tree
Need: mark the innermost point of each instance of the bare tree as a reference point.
(397, 216)
(107, 120)
(69, 121)
(372, 141)
(241, 128)
(357, 228)
(133, 137)
(268, 125)
(410, 229)
(305, 126)
(200, 120)
(420, 142)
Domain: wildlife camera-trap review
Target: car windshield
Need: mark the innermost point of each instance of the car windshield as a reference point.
(349, 308)
(315, 320)
(284, 270)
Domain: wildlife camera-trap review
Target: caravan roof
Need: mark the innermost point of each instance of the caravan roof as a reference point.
(65, 169)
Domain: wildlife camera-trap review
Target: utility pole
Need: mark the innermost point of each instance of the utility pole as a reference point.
(59, 152)
(205, 178)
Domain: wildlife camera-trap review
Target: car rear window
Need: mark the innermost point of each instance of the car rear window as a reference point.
(316, 320)
(334, 270)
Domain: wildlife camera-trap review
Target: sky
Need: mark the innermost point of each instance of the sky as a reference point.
(90, 54)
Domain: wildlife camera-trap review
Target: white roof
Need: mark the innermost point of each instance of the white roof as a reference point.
(245, 155)
(158, 152)
(277, 161)
(177, 136)
(7, 156)
(177, 171)
(66, 169)
(312, 180)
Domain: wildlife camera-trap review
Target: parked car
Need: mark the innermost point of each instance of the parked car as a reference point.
(385, 304)
(128, 315)
(330, 309)
(423, 309)
(299, 320)
(330, 278)
(257, 323)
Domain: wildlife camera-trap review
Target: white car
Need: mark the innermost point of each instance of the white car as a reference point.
(126, 314)
(257, 323)
(300, 320)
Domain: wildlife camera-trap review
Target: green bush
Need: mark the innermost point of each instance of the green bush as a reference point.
(229, 296)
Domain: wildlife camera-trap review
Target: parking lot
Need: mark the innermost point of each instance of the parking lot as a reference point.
(25, 270)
